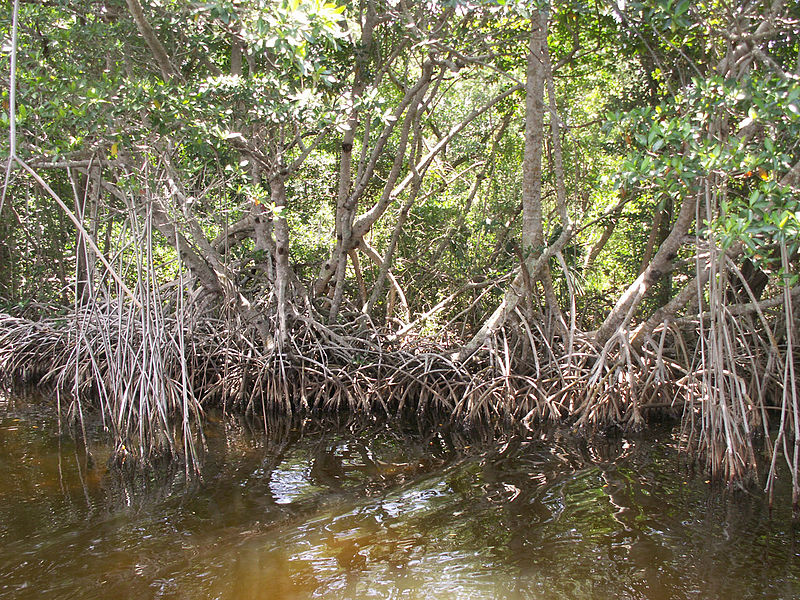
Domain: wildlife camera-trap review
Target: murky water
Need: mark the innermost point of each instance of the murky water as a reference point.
(367, 511)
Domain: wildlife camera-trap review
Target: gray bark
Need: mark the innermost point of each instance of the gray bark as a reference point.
(329, 267)
(532, 230)
(281, 230)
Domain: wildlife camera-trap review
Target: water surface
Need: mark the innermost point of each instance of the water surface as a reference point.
(372, 510)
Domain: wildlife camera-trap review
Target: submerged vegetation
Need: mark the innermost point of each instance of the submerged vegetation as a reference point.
(497, 213)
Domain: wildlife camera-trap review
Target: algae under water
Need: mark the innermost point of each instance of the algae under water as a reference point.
(374, 510)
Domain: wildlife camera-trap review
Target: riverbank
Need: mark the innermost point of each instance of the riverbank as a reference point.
(147, 379)
(153, 377)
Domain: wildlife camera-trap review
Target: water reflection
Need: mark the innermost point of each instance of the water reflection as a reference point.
(368, 510)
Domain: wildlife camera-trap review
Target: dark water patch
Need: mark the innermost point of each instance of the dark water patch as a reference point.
(370, 510)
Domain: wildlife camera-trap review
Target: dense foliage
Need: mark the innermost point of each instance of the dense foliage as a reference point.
(612, 181)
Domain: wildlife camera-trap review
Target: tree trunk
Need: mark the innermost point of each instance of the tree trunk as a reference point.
(329, 268)
(388, 256)
(346, 205)
(362, 289)
(365, 221)
(662, 261)
(532, 230)
(281, 229)
(236, 56)
(373, 255)
(535, 256)
(669, 309)
(665, 289)
(598, 246)
(650, 245)
(532, 217)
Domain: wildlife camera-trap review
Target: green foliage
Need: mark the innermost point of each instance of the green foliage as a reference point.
(739, 136)
(88, 87)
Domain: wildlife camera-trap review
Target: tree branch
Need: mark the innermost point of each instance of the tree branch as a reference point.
(160, 55)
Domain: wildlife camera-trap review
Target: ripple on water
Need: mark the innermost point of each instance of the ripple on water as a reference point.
(364, 511)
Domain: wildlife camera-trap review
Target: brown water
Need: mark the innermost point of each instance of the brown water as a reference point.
(368, 511)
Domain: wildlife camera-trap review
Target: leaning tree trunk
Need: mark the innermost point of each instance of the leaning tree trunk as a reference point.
(392, 190)
(160, 55)
(661, 262)
(414, 94)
